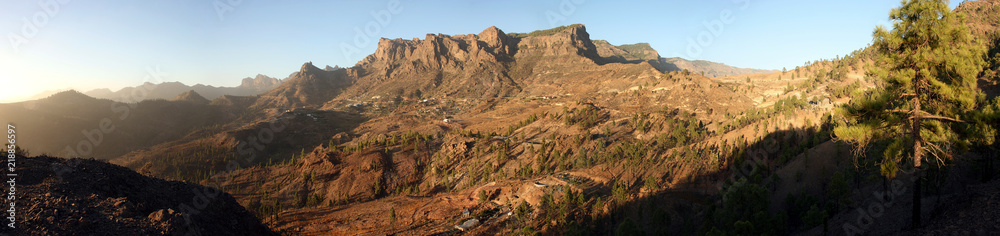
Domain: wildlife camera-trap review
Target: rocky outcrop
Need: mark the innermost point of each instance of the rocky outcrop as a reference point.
(571, 41)
(443, 51)
(310, 86)
(88, 197)
(439, 65)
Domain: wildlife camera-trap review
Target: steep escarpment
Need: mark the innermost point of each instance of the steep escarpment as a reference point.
(492, 64)
(568, 62)
(439, 65)
(626, 52)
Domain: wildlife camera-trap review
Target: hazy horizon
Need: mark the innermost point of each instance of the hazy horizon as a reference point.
(57, 45)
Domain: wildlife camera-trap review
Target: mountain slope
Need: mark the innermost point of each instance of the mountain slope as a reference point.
(983, 19)
(981, 16)
(73, 124)
(78, 196)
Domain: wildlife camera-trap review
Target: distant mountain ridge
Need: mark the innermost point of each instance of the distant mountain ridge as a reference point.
(711, 69)
(169, 90)
(645, 52)
(71, 122)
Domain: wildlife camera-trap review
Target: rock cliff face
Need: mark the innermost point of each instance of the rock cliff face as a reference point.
(573, 40)
(461, 65)
(443, 51)
(485, 65)
(568, 62)
(491, 64)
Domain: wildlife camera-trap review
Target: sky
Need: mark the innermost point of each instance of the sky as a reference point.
(70, 44)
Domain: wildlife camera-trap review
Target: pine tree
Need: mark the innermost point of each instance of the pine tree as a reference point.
(927, 66)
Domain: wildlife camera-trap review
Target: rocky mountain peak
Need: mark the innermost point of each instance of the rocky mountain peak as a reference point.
(332, 68)
(308, 67)
(580, 38)
(561, 41)
(495, 38)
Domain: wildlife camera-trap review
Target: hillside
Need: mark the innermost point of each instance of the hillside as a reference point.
(983, 19)
(77, 196)
(73, 124)
(981, 16)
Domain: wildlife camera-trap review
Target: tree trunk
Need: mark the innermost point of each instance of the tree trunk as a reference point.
(917, 153)
(885, 185)
(988, 169)
(916, 202)
(917, 140)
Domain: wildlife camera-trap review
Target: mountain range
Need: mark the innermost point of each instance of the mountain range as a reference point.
(497, 133)
(168, 90)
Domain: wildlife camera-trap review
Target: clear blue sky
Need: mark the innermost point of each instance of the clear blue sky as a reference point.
(111, 44)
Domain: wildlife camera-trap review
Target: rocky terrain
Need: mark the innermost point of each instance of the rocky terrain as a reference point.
(89, 197)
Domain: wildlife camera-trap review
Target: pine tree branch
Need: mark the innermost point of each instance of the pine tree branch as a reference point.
(924, 115)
